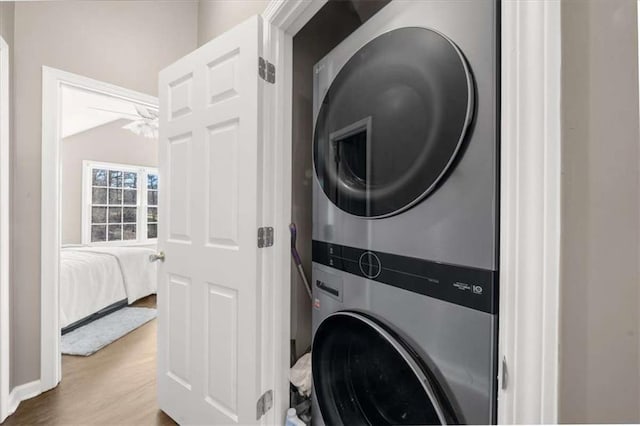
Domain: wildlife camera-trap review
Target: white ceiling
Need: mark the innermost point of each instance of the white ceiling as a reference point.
(83, 110)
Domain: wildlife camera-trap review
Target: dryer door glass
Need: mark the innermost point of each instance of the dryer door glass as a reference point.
(392, 122)
(365, 374)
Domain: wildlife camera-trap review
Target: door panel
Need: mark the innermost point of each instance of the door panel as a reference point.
(180, 96)
(222, 146)
(223, 83)
(178, 196)
(179, 314)
(222, 346)
(210, 358)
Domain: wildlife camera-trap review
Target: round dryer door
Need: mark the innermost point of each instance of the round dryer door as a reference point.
(363, 373)
(392, 121)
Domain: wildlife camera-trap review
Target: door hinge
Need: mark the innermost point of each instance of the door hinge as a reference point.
(265, 237)
(266, 70)
(503, 376)
(265, 402)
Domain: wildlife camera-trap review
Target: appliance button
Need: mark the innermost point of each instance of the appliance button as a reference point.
(370, 265)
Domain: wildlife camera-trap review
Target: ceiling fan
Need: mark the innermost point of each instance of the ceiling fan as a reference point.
(145, 122)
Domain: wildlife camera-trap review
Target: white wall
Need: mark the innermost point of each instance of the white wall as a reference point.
(599, 365)
(107, 143)
(218, 16)
(120, 42)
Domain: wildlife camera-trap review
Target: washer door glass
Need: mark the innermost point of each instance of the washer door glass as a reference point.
(392, 122)
(365, 374)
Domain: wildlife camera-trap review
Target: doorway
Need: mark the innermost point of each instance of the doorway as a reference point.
(100, 177)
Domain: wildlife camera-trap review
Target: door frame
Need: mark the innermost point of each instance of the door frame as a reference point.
(530, 204)
(52, 82)
(5, 207)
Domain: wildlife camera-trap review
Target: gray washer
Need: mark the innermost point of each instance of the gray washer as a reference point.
(457, 343)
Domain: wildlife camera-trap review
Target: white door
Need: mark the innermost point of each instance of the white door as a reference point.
(210, 360)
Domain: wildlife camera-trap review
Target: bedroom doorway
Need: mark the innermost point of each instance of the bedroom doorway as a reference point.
(100, 177)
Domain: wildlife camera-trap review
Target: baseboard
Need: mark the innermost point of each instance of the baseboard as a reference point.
(21, 393)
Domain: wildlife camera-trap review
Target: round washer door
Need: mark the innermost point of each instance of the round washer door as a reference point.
(392, 122)
(363, 373)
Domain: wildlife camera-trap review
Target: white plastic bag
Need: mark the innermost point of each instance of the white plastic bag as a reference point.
(300, 374)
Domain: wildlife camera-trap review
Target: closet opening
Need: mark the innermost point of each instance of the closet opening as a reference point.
(333, 23)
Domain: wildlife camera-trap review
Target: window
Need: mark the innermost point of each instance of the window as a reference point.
(152, 205)
(120, 204)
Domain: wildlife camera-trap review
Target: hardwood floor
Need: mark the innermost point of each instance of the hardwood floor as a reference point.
(116, 385)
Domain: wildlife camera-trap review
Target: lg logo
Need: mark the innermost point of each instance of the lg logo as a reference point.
(476, 289)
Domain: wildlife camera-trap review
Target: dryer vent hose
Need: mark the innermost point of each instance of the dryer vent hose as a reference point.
(297, 260)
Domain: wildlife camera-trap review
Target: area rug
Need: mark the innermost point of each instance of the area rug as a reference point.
(94, 336)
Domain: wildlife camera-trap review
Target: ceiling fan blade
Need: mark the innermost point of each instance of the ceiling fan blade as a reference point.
(147, 113)
(115, 112)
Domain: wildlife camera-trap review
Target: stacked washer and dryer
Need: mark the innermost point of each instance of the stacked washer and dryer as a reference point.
(405, 218)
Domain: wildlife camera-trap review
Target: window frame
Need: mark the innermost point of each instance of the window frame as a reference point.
(141, 202)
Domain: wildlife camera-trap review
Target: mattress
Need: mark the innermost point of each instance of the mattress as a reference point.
(92, 278)
(140, 276)
(89, 282)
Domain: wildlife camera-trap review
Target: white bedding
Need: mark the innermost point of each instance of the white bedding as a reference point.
(139, 274)
(92, 278)
(89, 282)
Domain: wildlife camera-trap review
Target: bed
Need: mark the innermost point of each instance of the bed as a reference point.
(95, 280)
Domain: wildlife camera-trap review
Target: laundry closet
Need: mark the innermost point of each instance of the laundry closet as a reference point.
(395, 170)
